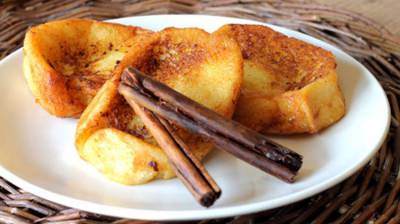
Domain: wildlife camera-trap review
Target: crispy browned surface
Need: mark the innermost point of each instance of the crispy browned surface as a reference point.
(67, 61)
(204, 67)
(289, 86)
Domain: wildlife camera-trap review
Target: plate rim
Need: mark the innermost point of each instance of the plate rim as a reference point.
(227, 211)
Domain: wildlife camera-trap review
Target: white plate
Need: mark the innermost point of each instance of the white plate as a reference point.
(37, 150)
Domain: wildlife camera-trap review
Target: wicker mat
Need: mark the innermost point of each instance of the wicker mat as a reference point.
(372, 194)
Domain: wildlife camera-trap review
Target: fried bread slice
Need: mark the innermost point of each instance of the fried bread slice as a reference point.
(67, 61)
(203, 67)
(289, 86)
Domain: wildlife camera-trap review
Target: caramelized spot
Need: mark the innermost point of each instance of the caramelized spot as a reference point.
(170, 58)
(293, 62)
(121, 116)
(154, 165)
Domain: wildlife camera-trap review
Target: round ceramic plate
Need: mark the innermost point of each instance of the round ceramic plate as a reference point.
(38, 154)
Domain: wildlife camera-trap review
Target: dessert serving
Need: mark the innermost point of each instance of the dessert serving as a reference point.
(67, 61)
(204, 67)
(289, 86)
(154, 104)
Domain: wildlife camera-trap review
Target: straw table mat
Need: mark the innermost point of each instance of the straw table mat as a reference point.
(371, 195)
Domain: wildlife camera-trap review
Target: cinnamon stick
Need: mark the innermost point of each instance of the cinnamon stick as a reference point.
(186, 166)
(244, 143)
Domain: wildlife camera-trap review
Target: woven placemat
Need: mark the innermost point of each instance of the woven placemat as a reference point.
(370, 194)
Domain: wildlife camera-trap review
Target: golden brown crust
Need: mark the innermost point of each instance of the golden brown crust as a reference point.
(204, 67)
(289, 85)
(67, 61)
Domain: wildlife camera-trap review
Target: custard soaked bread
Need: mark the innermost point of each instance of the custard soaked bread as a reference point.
(67, 61)
(289, 86)
(203, 67)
